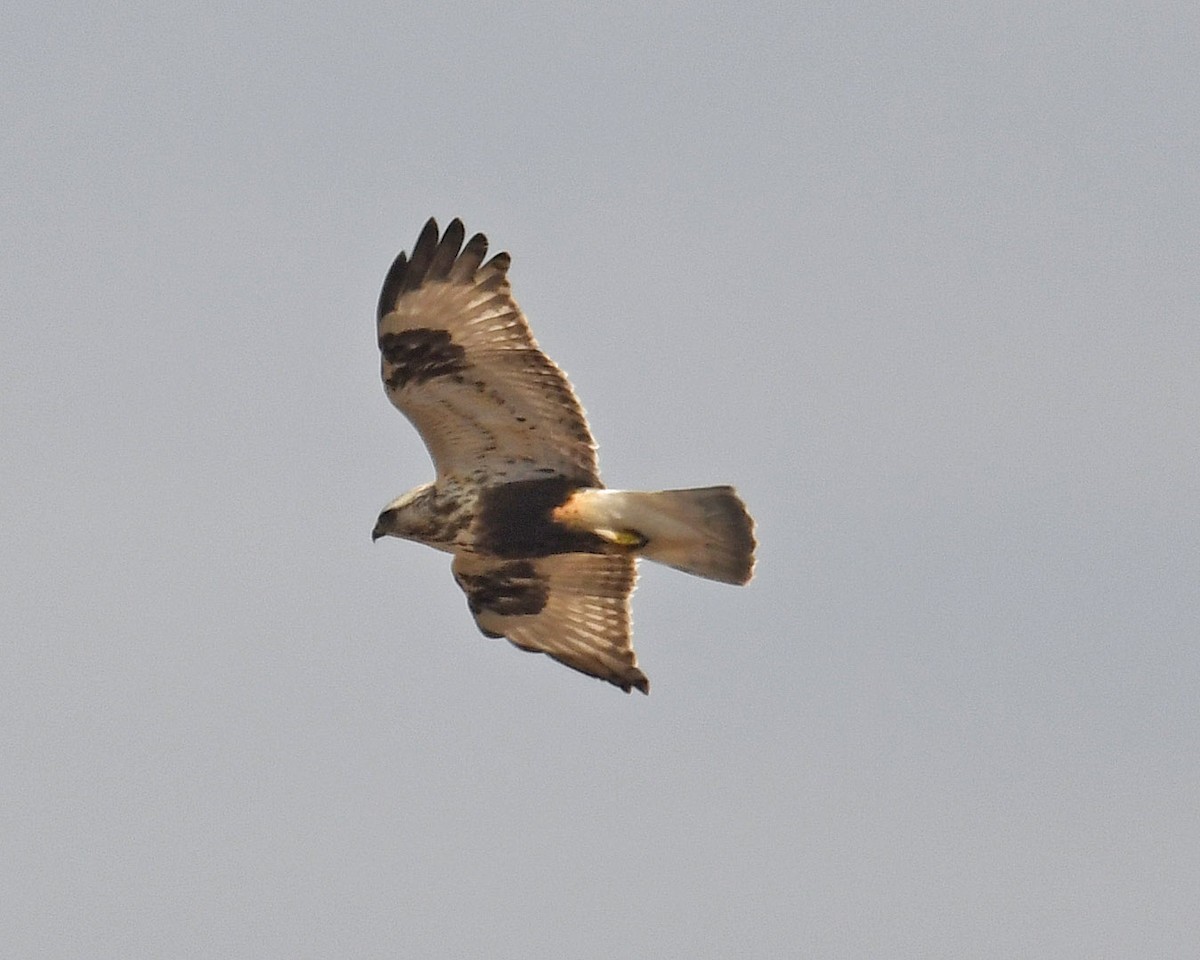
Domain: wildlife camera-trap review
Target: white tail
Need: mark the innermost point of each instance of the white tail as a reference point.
(705, 531)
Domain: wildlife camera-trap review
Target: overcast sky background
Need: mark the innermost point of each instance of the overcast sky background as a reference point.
(919, 278)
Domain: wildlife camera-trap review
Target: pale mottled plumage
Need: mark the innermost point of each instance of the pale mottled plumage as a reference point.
(544, 554)
(485, 397)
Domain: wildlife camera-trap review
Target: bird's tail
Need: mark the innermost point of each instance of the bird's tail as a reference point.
(704, 531)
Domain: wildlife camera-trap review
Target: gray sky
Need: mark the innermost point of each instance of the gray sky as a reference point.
(919, 278)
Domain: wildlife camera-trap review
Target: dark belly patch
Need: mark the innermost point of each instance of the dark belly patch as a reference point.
(515, 520)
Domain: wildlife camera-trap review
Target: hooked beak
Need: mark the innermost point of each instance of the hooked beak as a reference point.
(383, 526)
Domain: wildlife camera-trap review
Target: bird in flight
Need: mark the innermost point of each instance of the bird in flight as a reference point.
(543, 550)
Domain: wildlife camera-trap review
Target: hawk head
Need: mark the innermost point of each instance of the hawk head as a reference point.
(424, 516)
(406, 516)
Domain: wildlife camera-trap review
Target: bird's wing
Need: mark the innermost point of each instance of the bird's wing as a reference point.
(460, 363)
(572, 606)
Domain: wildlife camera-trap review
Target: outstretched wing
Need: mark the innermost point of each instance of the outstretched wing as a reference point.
(572, 606)
(460, 363)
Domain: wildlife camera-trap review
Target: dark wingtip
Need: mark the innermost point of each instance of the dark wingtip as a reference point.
(405, 271)
(436, 256)
(446, 252)
(393, 283)
(640, 682)
(428, 234)
(500, 262)
(422, 255)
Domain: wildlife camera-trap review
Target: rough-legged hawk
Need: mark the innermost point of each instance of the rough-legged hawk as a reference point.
(544, 553)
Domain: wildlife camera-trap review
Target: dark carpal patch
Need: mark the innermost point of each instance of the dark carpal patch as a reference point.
(417, 356)
(510, 590)
(514, 520)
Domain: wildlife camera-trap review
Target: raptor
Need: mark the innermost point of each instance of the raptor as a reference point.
(544, 552)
